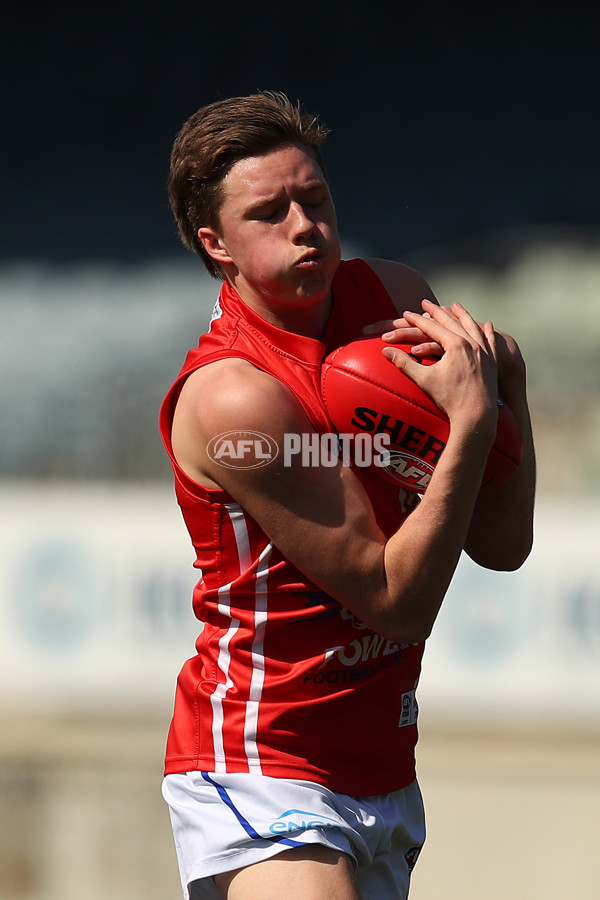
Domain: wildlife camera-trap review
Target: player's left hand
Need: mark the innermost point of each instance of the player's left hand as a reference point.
(397, 331)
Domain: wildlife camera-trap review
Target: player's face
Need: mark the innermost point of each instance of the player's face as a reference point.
(278, 240)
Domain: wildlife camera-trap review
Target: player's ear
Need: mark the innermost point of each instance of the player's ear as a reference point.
(214, 245)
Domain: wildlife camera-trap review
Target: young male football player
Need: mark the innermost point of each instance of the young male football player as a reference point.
(290, 766)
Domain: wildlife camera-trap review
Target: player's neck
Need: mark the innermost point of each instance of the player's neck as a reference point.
(307, 319)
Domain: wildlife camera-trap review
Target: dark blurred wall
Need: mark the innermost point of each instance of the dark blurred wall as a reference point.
(447, 121)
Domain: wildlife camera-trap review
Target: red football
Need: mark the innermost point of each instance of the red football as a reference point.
(364, 393)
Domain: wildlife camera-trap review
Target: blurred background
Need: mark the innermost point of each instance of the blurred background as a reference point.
(464, 142)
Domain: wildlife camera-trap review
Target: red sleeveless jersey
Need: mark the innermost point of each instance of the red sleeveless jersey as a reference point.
(286, 682)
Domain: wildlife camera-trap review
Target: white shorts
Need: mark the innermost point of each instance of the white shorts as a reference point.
(225, 822)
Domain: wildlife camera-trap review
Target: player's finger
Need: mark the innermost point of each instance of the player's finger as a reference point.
(490, 337)
(383, 326)
(405, 335)
(471, 326)
(436, 327)
(459, 320)
(426, 348)
(404, 362)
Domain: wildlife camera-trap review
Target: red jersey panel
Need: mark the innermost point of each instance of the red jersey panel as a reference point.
(286, 682)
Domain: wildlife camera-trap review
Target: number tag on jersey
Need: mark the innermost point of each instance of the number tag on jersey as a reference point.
(410, 710)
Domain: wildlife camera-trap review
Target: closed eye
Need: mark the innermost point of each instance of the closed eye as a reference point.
(313, 197)
(263, 214)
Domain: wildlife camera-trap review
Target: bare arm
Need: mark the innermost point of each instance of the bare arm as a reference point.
(501, 533)
(320, 517)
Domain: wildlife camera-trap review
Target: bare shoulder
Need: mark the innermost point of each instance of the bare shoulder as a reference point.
(233, 388)
(226, 396)
(405, 285)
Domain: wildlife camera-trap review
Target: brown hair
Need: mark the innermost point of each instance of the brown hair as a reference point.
(218, 136)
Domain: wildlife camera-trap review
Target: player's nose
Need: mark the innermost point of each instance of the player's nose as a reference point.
(301, 223)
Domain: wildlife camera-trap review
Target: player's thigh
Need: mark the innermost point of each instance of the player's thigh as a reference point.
(313, 872)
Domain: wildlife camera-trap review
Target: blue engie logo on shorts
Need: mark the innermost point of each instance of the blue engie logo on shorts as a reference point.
(299, 820)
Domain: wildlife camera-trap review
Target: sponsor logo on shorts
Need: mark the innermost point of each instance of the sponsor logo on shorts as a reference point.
(299, 820)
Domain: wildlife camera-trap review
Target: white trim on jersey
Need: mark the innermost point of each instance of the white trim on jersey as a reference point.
(238, 521)
(258, 662)
(218, 695)
(237, 518)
